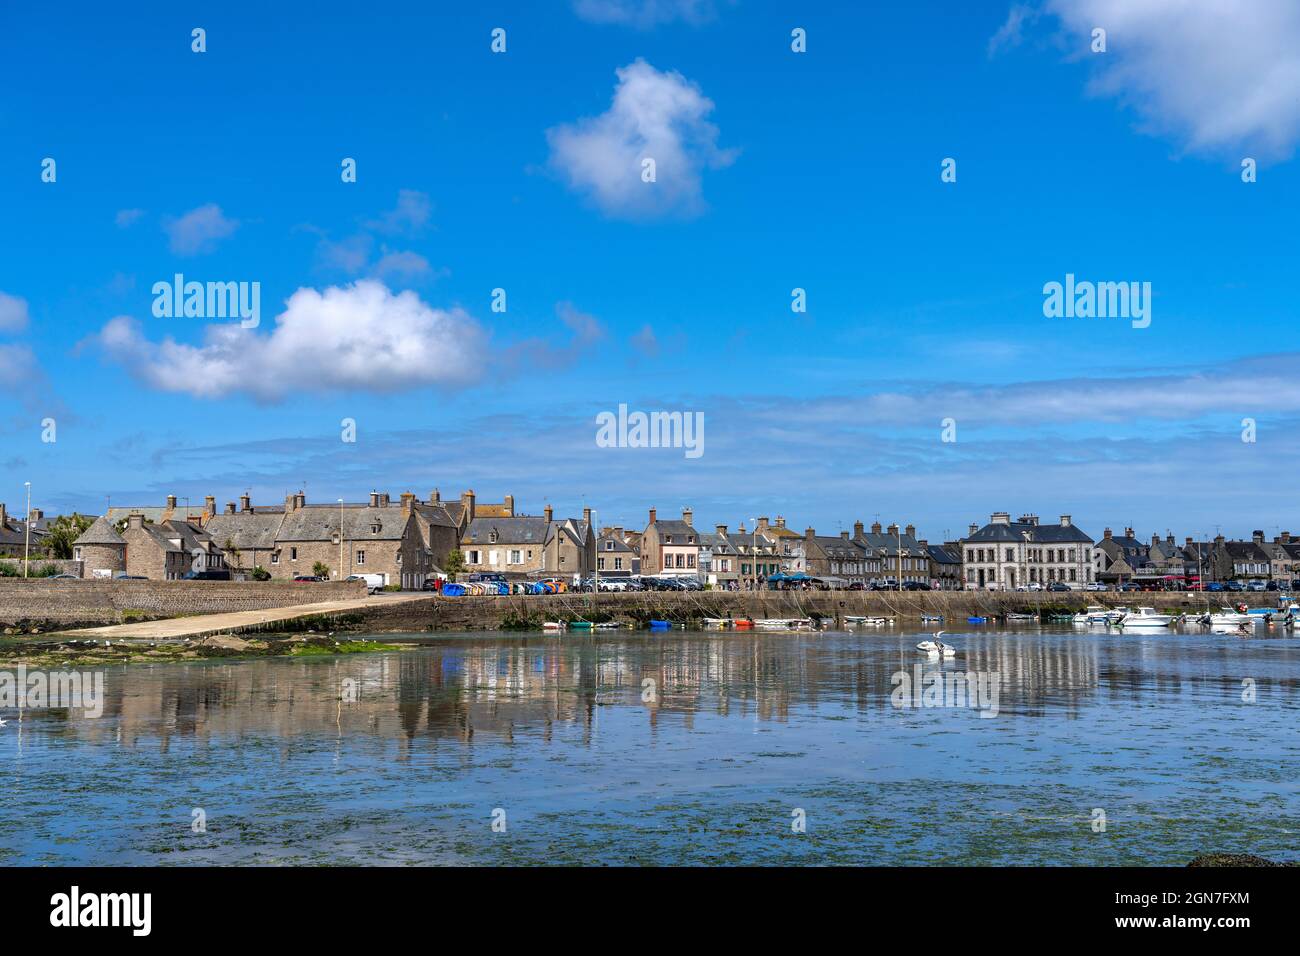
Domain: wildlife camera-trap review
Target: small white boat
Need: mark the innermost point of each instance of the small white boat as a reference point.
(717, 622)
(1226, 617)
(936, 647)
(1022, 617)
(553, 625)
(931, 618)
(782, 623)
(867, 621)
(1145, 617)
(1093, 614)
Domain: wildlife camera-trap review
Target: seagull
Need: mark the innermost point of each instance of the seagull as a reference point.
(3, 721)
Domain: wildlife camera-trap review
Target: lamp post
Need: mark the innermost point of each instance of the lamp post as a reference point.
(340, 539)
(27, 526)
(595, 565)
(753, 551)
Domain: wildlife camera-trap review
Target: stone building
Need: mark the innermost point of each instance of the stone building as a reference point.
(670, 548)
(615, 558)
(839, 560)
(1005, 555)
(529, 546)
(373, 538)
(154, 551)
(101, 550)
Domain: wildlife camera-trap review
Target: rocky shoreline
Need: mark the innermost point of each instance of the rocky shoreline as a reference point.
(70, 651)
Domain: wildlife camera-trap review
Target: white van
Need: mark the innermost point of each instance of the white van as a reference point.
(374, 582)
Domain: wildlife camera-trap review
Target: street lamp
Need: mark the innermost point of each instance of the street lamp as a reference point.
(340, 539)
(27, 526)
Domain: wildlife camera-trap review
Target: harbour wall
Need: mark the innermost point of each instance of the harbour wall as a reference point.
(527, 612)
(44, 603)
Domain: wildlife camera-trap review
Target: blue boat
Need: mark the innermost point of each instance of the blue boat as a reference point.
(977, 620)
(660, 625)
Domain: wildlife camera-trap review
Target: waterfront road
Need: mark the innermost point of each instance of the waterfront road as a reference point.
(182, 627)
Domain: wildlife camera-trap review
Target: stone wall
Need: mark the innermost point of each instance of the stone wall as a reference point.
(105, 601)
(486, 613)
(64, 565)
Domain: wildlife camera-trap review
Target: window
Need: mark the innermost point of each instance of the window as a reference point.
(361, 557)
(690, 560)
(516, 557)
(275, 557)
(1011, 555)
(492, 557)
(293, 554)
(472, 557)
(668, 539)
(609, 545)
(618, 564)
(76, 554)
(600, 564)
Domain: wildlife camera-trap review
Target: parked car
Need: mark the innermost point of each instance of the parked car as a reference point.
(1214, 586)
(307, 578)
(65, 576)
(1255, 586)
(1234, 586)
(123, 576)
(213, 574)
(374, 582)
(1094, 586)
(1058, 586)
(915, 586)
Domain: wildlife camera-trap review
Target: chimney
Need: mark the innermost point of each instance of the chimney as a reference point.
(1257, 537)
(36, 514)
(289, 502)
(721, 529)
(1155, 540)
(875, 527)
(910, 531)
(135, 521)
(762, 524)
(1286, 537)
(586, 513)
(230, 507)
(652, 516)
(1128, 532)
(973, 528)
(1189, 541)
(923, 543)
(809, 534)
(244, 503)
(408, 502)
(171, 502)
(857, 529)
(467, 499)
(384, 502)
(4, 515)
(300, 501)
(1108, 534)
(1218, 540)
(844, 535)
(510, 505)
(374, 499)
(618, 533)
(547, 514)
(435, 497)
(780, 521)
(688, 515)
(893, 529)
(1000, 517)
(1065, 521)
(210, 505)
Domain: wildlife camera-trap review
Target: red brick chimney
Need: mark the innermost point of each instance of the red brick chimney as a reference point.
(547, 513)
(652, 516)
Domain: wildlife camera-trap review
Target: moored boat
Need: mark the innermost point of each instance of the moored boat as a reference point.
(1145, 617)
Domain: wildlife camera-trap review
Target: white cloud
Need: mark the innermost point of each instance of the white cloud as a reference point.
(13, 313)
(1217, 76)
(657, 115)
(645, 13)
(646, 342)
(362, 337)
(1011, 33)
(412, 213)
(127, 217)
(199, 230)
(404, 265)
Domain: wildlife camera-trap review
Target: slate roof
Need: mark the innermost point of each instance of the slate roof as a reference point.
(837, 547)
(521, 529)
(321, 523)
(941, 555)
(1038, 533)
(887, 544)
(100, 532)
(153, 514)
(678, 529)
(620, 546)
(246, 530)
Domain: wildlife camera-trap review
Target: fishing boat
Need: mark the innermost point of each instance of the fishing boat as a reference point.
(580, 625)
(717, 622)
(1227, 617)
(931, 618)
(743, 624)
(553, 625)
(1145, 617)
(1022, 617)
(607, 625)
(936, 647)
(1093, 614)
(867, 621)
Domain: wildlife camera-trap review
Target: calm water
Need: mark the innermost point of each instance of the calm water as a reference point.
(739, 733)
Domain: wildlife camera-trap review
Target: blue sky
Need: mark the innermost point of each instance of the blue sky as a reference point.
(777, 170)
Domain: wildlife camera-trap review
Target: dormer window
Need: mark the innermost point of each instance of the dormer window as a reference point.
(493, 537)
(375, 526)
(609, 545)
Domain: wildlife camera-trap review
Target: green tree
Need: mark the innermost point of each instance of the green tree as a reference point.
(64, 530)
(260, 573)
(455, 563)
(320, 569)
